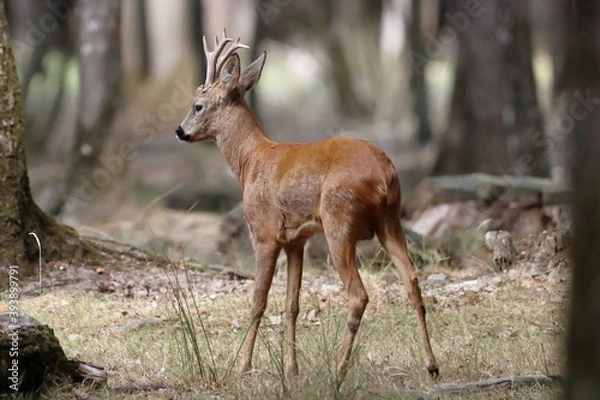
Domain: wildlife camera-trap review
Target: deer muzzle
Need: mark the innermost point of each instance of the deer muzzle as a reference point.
(181, 134)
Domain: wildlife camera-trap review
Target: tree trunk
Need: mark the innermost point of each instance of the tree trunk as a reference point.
(417, 74)
(197, 31)
(97, 164)
(581, 80)
(19, 215)
(37, 28)
(332, 19)
(260, 32)
(32, 359)
(494, 114)
(558, 135)
(340, 70)
(142, 36)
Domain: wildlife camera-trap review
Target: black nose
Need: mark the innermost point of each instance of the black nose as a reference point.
(181, 134)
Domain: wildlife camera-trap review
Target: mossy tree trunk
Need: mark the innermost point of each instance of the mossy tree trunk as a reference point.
(19, 215)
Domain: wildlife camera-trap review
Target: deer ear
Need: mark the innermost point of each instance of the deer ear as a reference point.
(230, 73)
(251, 74)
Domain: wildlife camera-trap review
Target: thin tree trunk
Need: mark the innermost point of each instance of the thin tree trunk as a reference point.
(19, 215)
(197, 31)
(95, 170)
(37, 28)
(558, 135)
(581, 80)
(328, 21)
(417, 75)
(494, 112)
(260, 31)
(142, 36)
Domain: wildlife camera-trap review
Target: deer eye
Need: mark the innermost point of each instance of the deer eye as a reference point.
(198, 108)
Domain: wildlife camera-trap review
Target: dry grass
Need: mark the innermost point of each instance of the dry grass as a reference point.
(513, 326)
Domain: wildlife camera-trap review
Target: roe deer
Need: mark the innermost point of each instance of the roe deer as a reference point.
(346, 188)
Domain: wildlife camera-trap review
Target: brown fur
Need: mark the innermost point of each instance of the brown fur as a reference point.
(346, 188)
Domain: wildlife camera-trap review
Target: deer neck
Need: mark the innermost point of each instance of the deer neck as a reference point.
(241, 140)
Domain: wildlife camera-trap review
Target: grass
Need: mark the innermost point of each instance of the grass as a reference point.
(193, 343)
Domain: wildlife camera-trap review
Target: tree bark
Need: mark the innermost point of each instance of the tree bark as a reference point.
(99, 158)
(19, 215)
(494, 114)
(581, 80)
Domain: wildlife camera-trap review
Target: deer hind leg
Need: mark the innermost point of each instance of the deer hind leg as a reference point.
(266, 258)
(295, 253)
(393, 240)
(343, 255)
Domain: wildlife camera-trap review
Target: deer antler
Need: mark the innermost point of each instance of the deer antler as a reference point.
(214, 62)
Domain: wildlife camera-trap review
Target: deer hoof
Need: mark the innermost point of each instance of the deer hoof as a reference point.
(433, 370)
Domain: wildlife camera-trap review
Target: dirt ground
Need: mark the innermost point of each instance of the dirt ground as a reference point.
(191, 237)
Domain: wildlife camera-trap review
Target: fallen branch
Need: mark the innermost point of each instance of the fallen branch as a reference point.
(140, 323)
(139, 387)
(234, 274)
(511, 382)
(86, 372)
(119, 248)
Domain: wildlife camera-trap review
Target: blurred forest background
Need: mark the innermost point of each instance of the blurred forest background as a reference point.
(444, 86)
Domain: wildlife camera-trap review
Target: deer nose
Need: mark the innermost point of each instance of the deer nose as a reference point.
(181, 134)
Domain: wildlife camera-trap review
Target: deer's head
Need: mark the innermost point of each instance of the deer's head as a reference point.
(224, 88)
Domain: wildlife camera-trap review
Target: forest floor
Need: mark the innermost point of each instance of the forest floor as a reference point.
(126, 316)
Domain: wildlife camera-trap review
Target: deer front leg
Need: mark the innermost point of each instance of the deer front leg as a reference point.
(294, 254)
(266, 258)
